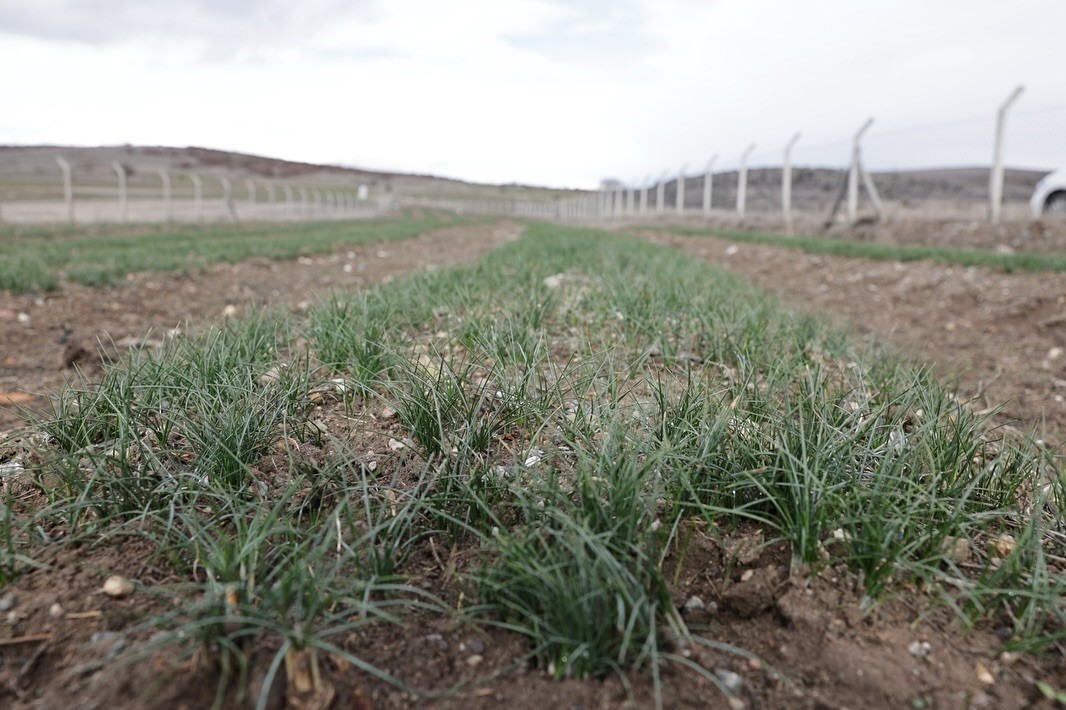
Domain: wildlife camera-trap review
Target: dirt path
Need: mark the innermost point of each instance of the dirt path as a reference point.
(1001, 336)
(42, 337)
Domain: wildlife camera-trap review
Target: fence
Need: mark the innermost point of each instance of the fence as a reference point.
(854, 178)
(164, 195)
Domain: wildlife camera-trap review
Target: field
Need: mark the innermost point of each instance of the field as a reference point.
(460, 463)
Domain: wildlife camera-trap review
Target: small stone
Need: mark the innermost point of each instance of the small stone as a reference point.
(395, 445)
(748, 574)
(23, 318)
(1003, 545)
(7, 602)
(372, 466)
(732, 681)
(554, 281)
(957, 549)
(694, 603)
(117, 587)
(983, 674)
(476, 645)
(474, 660)
(731, 250)
(387, 413)
(920, 648)
(229, 311)
(438, 641)
(55, 611)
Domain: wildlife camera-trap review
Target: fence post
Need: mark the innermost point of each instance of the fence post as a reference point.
(197, 195)
(660, 190)
(996, 179)
(786, 184)
(121, 173)
(631, 196)
(305, 201)
(742, 180)
(227, 197)
(708, 180)
(853, 172)
(290, 207)
(680, 198)
(68, 188)
(644, 195)
(165, 177)
(250, 186)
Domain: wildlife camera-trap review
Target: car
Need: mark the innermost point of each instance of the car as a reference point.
(1049, 197)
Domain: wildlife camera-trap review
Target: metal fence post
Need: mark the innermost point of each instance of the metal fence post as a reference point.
(708, 184)
(121, 173)
(660, 189)
(786, 184)
(742, 180)
(197, 195)
(165, 177)
(996, 178)
(68, 187)
(853, 171)
(680, 197)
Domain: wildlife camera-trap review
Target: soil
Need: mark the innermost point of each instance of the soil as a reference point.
(804, 641)
(999, 336)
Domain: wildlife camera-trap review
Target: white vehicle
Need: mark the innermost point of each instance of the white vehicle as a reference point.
(1049, 197)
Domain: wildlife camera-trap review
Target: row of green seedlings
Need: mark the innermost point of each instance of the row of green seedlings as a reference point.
(654, 391)
(986, 258)
(39, 263)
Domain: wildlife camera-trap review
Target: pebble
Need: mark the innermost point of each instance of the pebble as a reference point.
(23, 318)
(395, 445)
(732, 681)
(474, 660)
(983, 675)
(229, 311)
(438, 641)
(694, 603)
(117, 587)
(55, 611)
(476, 645)
(748, 574)
(7, 602)
(1004, 545)
(920, 648)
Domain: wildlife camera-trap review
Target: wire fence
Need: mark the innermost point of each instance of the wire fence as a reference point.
(948, 170)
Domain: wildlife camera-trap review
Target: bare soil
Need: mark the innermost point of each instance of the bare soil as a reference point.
(809, 643)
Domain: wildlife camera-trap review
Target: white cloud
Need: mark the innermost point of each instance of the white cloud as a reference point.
(542, 91)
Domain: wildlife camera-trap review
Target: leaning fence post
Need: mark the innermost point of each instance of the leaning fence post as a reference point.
(742, 179)
(197, 195)
(786, 184)
(996, 179)
(680, 199)
(68, 187)
(853, 171)
(708, 183)
(166, 193)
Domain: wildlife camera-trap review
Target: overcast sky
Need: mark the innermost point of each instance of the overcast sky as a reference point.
(539, 91)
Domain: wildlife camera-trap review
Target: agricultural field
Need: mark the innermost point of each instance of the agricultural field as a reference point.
(454, 463)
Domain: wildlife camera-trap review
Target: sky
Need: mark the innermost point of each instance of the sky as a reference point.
(544, 92)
